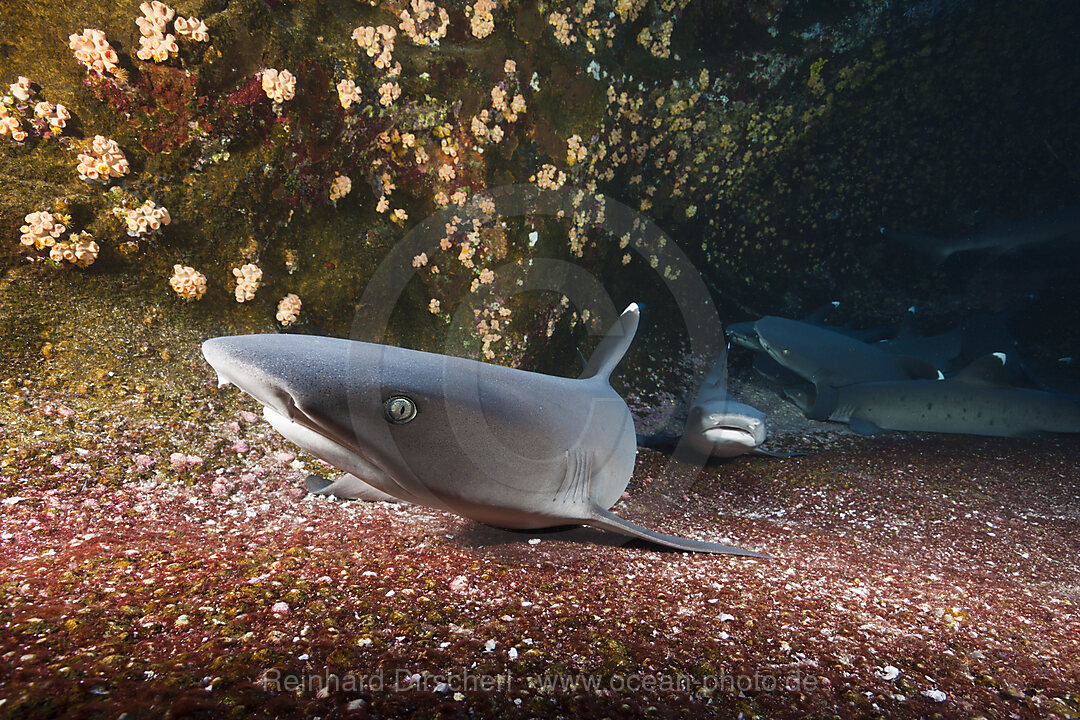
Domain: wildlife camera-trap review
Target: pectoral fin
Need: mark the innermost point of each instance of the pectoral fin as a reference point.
(777, 454)
(864, 427)
(605, 520)
(347, 487)
(824, 402)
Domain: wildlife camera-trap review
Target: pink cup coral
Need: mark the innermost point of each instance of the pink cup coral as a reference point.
(288, 310)
(340, 187)
(348, 93)
(105, 160)
(156, 16)
(192, 27)
(145, 220)
(157, 47)
(421, 25)
(279, 86)
(80, 250)
(10, 125)
(189, 283)
(56, 115)
(248, 278)
(41, 230)
(20, 89)
(93, 50)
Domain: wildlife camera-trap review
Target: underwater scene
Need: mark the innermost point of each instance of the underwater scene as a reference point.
(539, 359)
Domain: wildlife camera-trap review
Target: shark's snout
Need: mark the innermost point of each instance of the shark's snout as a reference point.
(244, 362)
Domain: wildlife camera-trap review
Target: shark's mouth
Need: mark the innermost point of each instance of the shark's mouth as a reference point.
(328, 442)
(732, 433)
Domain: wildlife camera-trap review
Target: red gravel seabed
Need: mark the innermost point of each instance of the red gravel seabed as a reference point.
(911, 576)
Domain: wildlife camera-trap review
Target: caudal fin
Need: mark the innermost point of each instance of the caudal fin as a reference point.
(605, 520)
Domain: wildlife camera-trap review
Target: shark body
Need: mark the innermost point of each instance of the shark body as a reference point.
(498, 445)
(830, 360)
(716, 425)
(977, 401)
(1002, 237)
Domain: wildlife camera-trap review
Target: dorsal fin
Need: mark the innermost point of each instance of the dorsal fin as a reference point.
(987, 370)
(821, 314)
(717, 377)
(721, 363)
(906, 329)
(614, 345)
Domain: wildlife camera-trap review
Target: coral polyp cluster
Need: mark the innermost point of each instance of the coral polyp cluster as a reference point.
(155, 18)
(155, 41)
(279, 86)
(144, 220)
(248, 277)
(340, 187)
(481, 18)
(157, 47)
(20, 120)
(94, 51)
(193, 28)
(21, 89)
(426, 24)
(41, 230)
(348, 93)
(11, 125)
(288, 309)
(378, 43)
(189, 283)
(104, 160)
(55, 115)
(80, 249)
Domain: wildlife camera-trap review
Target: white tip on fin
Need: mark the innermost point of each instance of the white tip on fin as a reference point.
(1002, 357)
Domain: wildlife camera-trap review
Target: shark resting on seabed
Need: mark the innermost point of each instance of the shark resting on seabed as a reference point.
(717, 426)
(501, 446)
(979, 400)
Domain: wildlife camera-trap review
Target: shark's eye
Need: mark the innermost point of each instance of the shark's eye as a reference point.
(400, 409)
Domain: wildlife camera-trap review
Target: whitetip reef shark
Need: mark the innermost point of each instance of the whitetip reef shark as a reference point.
(502, 446)
(717, 426)
(999, 238)
(977, 401)
(830, 360)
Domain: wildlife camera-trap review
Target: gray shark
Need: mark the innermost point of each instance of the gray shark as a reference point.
(999, 238)
(744, 334)
(977, 401)
(501, 446)
(829, 360)
(716, 425)
(937, 350)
